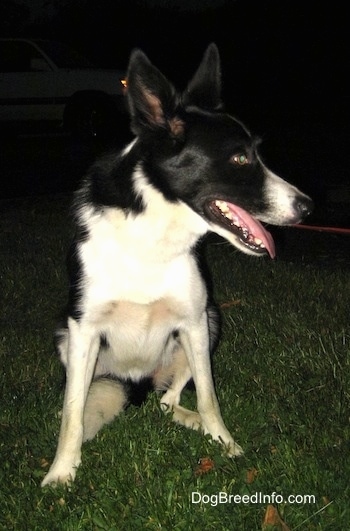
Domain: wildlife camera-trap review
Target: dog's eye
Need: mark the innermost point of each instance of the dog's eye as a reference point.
(240, 159)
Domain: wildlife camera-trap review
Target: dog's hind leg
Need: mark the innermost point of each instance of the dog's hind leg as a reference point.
(194, 361)
(106, 399)
(79, 349)
(179, 373)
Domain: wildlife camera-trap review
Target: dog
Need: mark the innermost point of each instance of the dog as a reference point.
(138, 306)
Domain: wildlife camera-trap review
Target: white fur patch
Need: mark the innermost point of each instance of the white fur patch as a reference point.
(281, 198)
(134, 295)
(118, 258)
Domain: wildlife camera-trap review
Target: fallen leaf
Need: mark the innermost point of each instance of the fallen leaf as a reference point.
(251, 475)
(205, 464)
(228, 304)
(272, 518)
(44, 463)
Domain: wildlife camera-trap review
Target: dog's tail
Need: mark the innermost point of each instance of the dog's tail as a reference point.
(106, 399)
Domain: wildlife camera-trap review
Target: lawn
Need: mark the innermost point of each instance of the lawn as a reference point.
(282, 373)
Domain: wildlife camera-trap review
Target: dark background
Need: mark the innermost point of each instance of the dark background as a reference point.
(284, 65)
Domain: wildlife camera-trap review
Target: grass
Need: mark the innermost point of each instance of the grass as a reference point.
(282, 373)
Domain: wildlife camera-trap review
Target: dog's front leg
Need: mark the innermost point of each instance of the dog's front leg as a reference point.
(195, 342)
(83, 346)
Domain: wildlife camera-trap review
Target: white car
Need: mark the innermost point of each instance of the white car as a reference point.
(45, 81)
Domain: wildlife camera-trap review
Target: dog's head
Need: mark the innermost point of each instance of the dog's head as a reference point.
(194, 152)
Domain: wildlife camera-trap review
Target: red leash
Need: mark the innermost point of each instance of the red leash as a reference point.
(335, 230)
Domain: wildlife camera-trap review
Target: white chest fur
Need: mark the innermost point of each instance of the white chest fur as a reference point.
(140, 281)
(140, 258)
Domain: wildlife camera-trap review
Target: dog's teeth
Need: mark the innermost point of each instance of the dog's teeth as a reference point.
(222, 205)
(224, 209)
(258, 242)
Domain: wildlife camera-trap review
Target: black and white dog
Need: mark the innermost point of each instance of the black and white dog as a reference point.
(138, 305)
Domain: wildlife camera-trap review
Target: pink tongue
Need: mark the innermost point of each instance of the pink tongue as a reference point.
(254, 227)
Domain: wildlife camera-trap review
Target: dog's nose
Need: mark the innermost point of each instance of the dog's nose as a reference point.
(304, 205)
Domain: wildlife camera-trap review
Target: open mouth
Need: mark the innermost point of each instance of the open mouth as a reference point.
(248, 230)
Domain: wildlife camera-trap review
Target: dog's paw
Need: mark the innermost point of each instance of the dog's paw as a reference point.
(59, 475)
(233, 449)
(183, 416)
(190, 419)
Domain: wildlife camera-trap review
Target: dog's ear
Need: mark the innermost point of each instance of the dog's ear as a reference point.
(204, 90)
(151, 97)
